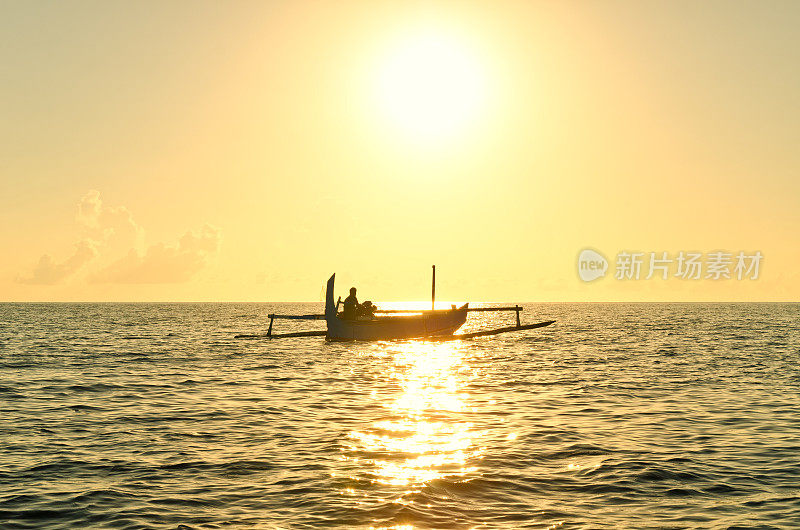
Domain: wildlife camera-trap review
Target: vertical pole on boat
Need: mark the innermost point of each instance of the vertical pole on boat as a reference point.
(517, 309)
(271, 318)
(433, 288)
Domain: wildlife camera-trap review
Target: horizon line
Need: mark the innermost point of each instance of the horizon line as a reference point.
(398, 302)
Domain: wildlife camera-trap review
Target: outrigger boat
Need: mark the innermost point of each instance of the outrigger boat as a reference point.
(425, 324)
(434, 325)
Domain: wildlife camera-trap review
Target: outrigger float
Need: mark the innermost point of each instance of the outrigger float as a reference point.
(433, 325)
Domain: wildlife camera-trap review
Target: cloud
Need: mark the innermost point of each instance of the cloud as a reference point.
(105, 222)
(99, 223)
(49, 272)
(112, 230)
(162, 263)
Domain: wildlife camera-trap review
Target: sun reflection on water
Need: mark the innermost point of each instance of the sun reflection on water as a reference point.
(427, 435)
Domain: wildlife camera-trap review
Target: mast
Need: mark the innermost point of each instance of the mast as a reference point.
(433, 287)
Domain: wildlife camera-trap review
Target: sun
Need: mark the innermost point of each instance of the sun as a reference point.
(431, 87)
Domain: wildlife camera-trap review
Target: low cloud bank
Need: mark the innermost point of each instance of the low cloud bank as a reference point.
(50, 272)
(159, 263)
(164, 263)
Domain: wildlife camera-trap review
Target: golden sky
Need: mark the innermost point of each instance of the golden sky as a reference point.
(247, 150)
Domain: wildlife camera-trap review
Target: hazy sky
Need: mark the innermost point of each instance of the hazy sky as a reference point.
(247, 150)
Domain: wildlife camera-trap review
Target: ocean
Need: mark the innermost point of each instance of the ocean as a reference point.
(617, 416)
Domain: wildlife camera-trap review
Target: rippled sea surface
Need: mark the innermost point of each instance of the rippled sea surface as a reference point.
(617, 416)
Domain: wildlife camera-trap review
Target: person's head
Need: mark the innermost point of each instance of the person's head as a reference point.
(353, 291)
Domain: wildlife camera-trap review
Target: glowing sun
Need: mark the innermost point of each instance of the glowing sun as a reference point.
(431, 87)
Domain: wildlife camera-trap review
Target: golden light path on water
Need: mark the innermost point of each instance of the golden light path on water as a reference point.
(425, 433)
(430, 377)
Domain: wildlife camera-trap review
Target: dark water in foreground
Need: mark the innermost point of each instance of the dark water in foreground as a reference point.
(619, 415)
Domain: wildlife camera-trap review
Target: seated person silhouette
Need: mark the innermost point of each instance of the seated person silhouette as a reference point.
(351, 305)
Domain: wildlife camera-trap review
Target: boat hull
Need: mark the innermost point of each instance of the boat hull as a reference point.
(385, 328)
(426, 324)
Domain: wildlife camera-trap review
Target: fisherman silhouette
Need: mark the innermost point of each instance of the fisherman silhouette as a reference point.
(351, 305)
